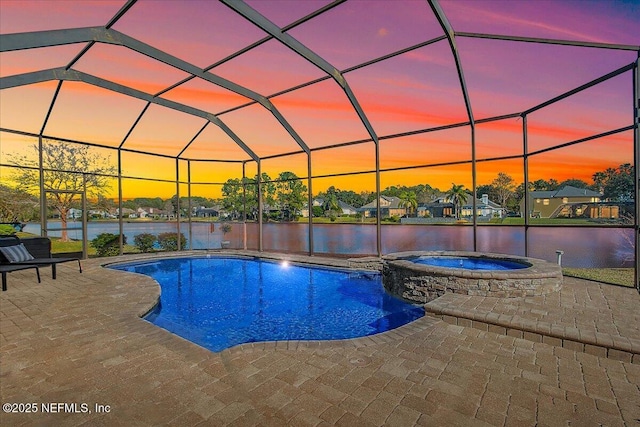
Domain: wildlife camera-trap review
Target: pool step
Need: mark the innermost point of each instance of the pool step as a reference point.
(451, 309)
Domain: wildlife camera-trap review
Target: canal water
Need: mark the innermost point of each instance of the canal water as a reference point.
(582, 246)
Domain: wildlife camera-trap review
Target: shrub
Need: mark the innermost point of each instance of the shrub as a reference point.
(169, 241)
(7, 230)
(225, 227)
(106, 244)
(144, 242)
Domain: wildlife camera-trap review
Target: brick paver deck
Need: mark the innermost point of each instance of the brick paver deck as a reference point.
(79, 340)
(600, 319)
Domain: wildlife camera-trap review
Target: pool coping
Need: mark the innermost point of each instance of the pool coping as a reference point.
(537, 268)
(448, 308)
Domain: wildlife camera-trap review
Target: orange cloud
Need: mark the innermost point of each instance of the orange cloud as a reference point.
(206, 96)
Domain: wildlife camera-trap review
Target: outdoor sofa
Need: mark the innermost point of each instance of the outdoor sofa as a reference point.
(28, 253)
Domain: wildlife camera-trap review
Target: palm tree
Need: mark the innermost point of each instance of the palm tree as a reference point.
(331, 205)
(409, 200)
(458, 196)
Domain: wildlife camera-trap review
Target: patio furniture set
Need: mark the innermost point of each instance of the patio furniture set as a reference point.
(32, 253)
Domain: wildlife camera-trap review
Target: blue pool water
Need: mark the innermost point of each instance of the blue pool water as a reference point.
(221, 302)
(470, 263)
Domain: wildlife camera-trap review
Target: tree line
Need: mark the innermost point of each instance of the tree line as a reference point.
(283, 197)
(287, 195)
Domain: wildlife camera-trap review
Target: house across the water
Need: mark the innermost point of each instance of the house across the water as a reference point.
(551, 204)
(389, 206)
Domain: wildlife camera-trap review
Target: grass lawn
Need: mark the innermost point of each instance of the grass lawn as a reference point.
(493, 221)
(545, 221)
(338, 220)
(617, 276)
(59, 247)
(76, 246)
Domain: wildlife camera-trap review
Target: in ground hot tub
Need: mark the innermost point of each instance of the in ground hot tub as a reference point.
(424, 276)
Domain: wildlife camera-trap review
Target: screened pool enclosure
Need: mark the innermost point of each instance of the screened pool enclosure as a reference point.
(346, 128)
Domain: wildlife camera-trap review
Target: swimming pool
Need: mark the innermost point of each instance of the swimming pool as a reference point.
(470, 263)
(222, 302)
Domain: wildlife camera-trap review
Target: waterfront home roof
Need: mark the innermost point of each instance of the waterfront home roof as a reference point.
(211, 210)
(391, 202)
(345, 206)
(566, 191)
(569, 191)
(319, 201)
(542, 194)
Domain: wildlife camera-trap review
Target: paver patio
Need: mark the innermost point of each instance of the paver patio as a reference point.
(79, 339)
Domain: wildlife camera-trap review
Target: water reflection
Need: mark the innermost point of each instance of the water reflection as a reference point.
(594, 247)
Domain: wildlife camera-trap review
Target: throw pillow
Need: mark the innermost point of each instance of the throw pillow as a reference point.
(16, 253)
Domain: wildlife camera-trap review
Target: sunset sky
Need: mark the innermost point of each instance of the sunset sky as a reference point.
(416, 90)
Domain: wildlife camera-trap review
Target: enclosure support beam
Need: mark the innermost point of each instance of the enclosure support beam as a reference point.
(636, 159)
(260, 206)
(190, 208)
(451, 37)
(474, 184)
(43, 196)
(193, 139)
(310, 203)
(378, 196)
(244, 205)
(120, 205)
(580, 88)
(179, 243)
(525, 159)
(85, 228)
(538, 40)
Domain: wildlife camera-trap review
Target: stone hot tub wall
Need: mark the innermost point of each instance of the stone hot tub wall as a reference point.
(423, 283)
